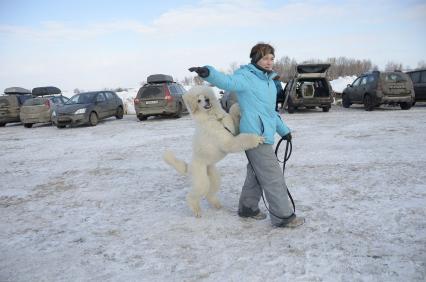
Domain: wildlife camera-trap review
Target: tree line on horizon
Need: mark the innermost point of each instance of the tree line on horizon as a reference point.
(286, 69)
(339, 67)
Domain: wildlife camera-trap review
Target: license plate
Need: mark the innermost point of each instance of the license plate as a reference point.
(151, 102)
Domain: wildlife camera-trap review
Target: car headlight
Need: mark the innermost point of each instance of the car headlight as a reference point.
(80, 111)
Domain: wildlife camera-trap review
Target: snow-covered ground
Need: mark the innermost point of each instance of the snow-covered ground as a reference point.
(99, 204)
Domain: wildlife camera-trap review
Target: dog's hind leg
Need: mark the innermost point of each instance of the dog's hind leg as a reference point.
(214, 178)
(200, 187)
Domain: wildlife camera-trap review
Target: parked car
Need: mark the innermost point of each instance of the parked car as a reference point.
(228, 99)
(39, 108)
(376, 88)
(418, 77)
(10, 104)
(88, 108)
(309, 88)
(160, 96)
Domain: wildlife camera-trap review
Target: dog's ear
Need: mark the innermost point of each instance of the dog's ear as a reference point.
(190, 101)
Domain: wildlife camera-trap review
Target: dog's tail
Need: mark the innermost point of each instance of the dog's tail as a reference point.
(179, 165)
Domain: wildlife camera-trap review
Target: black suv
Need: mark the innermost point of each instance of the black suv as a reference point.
(376, 88)
(418, 77)
(160, 96)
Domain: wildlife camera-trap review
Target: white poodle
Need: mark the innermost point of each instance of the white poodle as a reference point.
(215, 137)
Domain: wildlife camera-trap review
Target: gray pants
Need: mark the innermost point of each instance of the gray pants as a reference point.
(265, 167)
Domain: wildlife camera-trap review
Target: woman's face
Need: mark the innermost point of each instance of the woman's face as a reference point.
(267, 62)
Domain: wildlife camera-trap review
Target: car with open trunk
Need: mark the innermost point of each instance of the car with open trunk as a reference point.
(309, 88)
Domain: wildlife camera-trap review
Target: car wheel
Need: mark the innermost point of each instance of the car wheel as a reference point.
(28, 125)
(290, 106)
(368, 103)
(142, 117)
(405, 106)
(179, 111)
(60, 126)
(93, 119)
(346, 103)
(2, 124)
(119, 113)
(325, 109)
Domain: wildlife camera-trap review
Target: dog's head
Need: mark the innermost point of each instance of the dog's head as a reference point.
(202, 99)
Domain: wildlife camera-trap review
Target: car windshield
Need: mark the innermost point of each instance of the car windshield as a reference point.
(35, 102)
(395, 77)
(84, 98)
(148, 92)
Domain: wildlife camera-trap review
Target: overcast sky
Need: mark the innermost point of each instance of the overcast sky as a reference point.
(97, 44)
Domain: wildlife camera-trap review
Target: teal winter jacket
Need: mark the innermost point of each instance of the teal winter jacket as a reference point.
(257, 94)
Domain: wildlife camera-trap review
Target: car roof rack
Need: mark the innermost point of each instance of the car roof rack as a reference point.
(46, 90)
(16, 91)
(159, 78)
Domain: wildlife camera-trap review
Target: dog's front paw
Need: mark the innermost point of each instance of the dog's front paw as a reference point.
(255, 140)
(258, 140)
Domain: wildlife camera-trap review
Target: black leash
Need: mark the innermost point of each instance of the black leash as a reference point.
(287, 154)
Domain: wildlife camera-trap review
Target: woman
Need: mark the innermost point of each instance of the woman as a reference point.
(257, 95)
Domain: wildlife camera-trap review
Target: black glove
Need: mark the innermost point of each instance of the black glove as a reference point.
(287, 137)
(201, 71)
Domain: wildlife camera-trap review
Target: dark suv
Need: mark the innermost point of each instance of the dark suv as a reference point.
(11, 102)
(418, 77)
(309, 88)
(376, 88)
(160, 96)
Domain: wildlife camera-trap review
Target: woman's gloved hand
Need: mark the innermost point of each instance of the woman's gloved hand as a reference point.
(287, 137)
(201, 71)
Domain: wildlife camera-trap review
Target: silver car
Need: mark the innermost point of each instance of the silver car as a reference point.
(40, 109)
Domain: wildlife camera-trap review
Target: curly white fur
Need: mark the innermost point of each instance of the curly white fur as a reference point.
(215, 137)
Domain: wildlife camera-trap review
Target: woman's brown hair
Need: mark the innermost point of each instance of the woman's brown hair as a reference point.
(259, 50)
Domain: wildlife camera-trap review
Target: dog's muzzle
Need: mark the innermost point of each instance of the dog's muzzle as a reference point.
(207, 105)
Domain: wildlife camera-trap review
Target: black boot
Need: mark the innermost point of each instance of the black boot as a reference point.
(246, 212)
